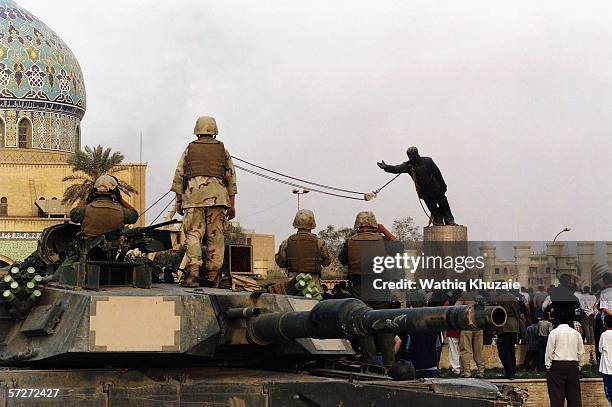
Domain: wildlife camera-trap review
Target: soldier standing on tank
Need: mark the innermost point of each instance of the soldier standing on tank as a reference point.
(205, 187)
(357, 253)
(429, 184)
(104, 210)
(303, 251)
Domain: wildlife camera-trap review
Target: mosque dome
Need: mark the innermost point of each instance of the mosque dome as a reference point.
(42, 93)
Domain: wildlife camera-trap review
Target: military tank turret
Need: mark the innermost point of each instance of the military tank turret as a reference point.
(103, 333)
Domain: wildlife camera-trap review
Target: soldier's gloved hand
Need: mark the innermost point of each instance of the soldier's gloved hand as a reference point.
(231, 213)
(382, 165)
(179, 205)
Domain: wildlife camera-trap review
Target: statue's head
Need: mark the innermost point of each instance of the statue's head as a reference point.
(412, 153)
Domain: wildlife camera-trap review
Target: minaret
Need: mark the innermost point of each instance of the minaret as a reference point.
(584, 259)
(521, 258)
(488, 252)
(554, 250)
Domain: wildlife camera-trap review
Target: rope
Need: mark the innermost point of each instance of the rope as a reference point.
(388, 182)
(296, 185)
(163, 210)
(154, 203)
(416, 187)
(298, 179)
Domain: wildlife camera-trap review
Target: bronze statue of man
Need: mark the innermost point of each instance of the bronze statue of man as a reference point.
(429, 184)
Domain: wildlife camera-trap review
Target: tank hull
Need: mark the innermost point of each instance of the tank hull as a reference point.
(234, 387)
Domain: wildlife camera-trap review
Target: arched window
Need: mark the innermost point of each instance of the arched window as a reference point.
(3, 206)
(2, 133)
(25, 133)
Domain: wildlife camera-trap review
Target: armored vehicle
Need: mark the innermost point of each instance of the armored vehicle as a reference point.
(93, 329)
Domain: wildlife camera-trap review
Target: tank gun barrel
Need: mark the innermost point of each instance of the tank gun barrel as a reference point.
(352, 318)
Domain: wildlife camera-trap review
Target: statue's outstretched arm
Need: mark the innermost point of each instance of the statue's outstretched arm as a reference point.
(395, 169)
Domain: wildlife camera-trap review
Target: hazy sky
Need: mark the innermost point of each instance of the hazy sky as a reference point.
(512, 99)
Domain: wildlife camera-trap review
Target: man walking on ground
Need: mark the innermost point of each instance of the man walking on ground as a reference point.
(605, 362)
(507, 334)
(544, 328)
(470, 343)
(588, 307)
(563, 360)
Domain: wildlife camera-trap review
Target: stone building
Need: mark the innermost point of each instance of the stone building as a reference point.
(42, 103)
(535, 268)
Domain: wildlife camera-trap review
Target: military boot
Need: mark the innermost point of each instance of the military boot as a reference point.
(193, 279)
(214, 278)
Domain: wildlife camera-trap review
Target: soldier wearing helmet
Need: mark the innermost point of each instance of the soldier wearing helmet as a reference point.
(370, 240)
(429, 184)
(304, 252)
(205, 187)
(104, 210)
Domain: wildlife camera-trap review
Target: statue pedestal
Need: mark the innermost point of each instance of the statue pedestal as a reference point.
(439, 244)
(445, 233)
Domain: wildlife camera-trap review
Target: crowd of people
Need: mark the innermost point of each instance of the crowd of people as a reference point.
(553, 324)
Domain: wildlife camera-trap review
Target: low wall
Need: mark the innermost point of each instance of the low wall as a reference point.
(591, 390)
(492, 357)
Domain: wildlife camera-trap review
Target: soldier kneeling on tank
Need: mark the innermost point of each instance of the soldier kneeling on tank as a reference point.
(369, 241)
(304, 252)
(104, 210)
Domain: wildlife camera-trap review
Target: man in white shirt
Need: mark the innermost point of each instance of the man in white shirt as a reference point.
(563, 360)
(605, 299)
(588, 305)
(605, 305)
(605, 362)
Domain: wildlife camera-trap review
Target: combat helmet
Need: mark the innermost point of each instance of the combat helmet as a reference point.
(206, 125)
(304, 219)
(365, 218)
(105, 184)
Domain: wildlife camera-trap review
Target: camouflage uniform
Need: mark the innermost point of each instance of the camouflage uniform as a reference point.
(104, 211)
(205, 201)
(352, 255)
(304, 252)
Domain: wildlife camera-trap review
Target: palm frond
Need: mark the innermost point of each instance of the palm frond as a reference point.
(89, 164)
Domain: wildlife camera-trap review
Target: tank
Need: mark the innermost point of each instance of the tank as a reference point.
(102, 333)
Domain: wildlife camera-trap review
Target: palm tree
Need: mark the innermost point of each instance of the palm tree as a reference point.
(88, 165)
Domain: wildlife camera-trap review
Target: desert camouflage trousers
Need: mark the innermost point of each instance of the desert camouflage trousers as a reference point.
(208, 221)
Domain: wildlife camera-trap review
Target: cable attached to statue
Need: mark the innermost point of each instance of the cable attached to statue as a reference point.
(365, 196)
(416, 188)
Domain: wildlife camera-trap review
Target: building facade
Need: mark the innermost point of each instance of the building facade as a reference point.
(42, 103)
(542, 268)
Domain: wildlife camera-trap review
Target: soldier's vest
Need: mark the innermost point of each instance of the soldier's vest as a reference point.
(303, 254)
(205, 159)
(362, 247)
(101, 217)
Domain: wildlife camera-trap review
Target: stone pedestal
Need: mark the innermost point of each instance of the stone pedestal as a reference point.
(445, 234)
(442, 242)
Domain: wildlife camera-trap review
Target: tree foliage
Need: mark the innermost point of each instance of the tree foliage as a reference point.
(406, 231)
(233, 234)
(89, 164)
(334, 238)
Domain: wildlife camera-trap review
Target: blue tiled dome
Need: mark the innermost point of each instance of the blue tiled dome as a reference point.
(37, 69)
